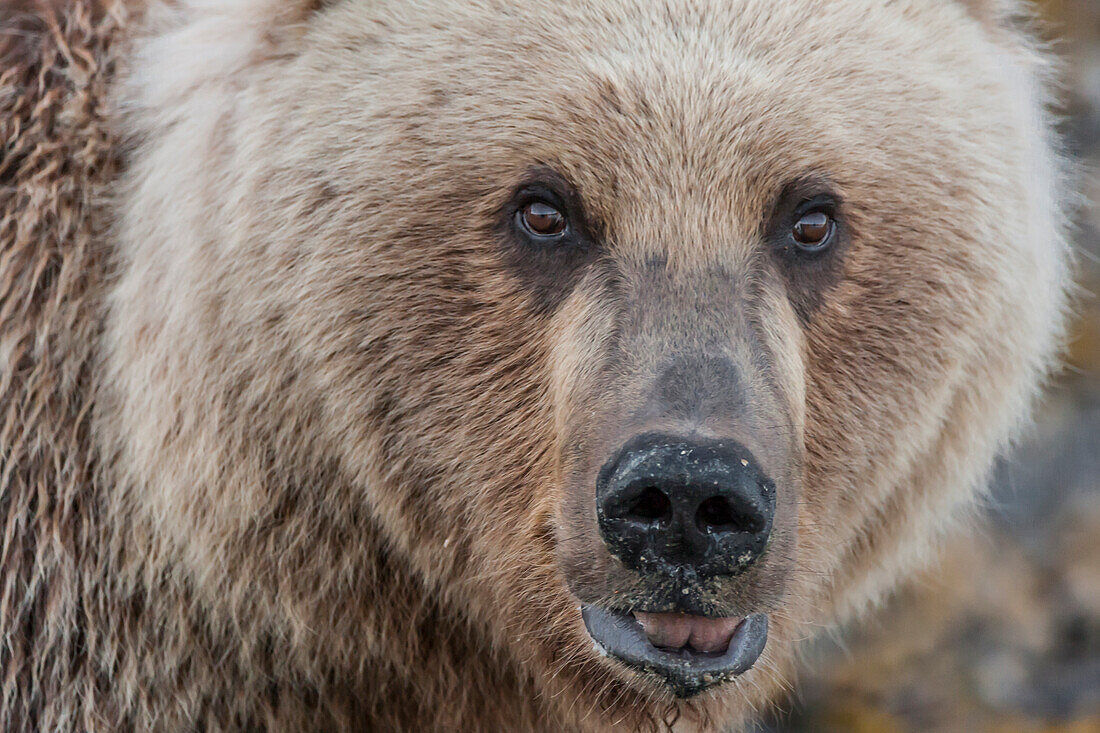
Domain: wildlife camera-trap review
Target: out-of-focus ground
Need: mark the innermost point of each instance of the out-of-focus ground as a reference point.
(1003, 634)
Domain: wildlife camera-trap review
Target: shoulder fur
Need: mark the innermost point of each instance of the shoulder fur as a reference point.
(56, 153)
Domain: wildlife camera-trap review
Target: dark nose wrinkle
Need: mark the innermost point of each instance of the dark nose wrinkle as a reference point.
(695, 387)
(678, 506)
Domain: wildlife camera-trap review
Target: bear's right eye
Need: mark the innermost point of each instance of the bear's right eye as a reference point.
(545, 237)
(542, 220)
(814, 230)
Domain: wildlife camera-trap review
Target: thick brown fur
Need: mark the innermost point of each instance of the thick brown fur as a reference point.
(57, 152)
(276, 454)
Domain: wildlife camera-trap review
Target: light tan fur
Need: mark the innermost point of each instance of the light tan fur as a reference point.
(282, 447)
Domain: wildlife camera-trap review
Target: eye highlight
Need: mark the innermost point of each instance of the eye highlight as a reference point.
(814, 230)
(541, 220)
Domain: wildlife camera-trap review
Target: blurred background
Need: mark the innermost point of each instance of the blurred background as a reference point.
(1004, 633)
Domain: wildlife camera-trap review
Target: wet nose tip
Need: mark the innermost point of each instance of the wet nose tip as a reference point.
(665, 504)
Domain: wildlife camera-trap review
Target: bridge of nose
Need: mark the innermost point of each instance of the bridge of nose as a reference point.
(696, 389)
(686, 341)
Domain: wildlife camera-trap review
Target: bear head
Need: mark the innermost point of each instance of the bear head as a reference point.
(642, 338)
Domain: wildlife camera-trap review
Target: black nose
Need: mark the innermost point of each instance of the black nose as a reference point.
(670, 505)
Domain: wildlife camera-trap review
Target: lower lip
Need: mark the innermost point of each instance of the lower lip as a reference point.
(685, 672)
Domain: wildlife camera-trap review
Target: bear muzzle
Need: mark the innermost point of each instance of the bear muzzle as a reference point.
(682, 513)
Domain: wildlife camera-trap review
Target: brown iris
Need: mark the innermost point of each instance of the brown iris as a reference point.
(813, 230)
(542, 220)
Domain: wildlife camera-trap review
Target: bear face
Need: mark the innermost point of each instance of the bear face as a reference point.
(692, 311)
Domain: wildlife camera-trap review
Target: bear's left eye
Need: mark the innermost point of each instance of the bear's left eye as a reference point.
(542, 220)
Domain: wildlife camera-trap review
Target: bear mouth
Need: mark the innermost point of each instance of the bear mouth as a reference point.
(689, 653)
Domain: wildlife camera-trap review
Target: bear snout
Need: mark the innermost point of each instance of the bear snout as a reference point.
(684, 507)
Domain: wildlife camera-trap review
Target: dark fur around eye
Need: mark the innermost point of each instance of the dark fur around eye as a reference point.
(809, 268)
(547, 264)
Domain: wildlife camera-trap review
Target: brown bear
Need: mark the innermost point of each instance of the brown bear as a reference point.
(390, 365)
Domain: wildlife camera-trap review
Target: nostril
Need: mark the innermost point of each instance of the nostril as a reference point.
(650, 506)
(718, 514)
(715, 514)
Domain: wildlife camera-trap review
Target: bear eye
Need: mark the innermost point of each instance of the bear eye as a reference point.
(814, 230)
(542, 220)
